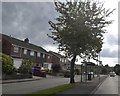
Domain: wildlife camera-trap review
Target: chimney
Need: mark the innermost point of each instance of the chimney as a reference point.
(26, 40)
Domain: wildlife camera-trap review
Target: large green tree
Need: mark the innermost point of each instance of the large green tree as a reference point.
(79, 29)
(117, 69)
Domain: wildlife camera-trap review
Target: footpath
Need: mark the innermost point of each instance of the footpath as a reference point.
(85, 88)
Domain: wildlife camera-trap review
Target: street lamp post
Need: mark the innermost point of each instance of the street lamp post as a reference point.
(81, 72)
(99, 66)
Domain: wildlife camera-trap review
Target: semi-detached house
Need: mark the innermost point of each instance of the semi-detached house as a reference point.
(19, 50)
(60, 59)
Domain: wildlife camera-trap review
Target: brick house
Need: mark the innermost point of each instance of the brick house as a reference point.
(60, 59)
(48, 61)
(19, 50)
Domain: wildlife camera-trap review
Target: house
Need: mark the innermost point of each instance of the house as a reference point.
(48, 61)
(60, 59)
(19, 50)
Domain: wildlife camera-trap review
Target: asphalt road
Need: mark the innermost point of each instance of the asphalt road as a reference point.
(32, 86)
(109, 86)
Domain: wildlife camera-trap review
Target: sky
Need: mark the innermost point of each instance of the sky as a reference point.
(29, 19)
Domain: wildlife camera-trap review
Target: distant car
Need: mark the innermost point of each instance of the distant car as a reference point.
(112, 74)
(39, 71)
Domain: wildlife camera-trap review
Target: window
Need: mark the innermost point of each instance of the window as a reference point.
(48, 57)
(32, 53)
(45, 65)
(65, 60)
(38, 54)
(25, 51)
(16, 49)
(62, 60)
(43, 55)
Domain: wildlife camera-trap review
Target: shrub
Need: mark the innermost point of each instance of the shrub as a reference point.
(56, 68)
(7, 65)
(77, 71)
(62, 72)
(25, 67)
(46, 70)
(50, 72)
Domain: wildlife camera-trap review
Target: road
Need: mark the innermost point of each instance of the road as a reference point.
(31, 86)
(109, 86)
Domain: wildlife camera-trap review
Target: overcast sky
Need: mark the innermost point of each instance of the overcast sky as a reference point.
(30, 20)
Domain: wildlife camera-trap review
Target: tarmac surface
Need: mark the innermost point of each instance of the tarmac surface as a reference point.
(25, 80)
(81, 89)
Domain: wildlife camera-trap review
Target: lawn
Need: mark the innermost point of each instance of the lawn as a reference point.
(52, 91)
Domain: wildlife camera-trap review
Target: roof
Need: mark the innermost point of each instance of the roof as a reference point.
(23, 43)
(56, 54)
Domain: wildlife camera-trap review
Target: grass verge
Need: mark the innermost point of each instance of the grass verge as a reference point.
(52, 91)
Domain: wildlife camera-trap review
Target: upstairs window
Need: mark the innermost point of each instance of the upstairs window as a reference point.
(16, 49)
(32, 53)
(38, 54)
(48, 57)
(65, 60)
(43, 55)
(25, 51)
(62, 60)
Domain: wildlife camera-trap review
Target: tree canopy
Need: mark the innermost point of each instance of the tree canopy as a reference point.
(7, 64)
(79, 28)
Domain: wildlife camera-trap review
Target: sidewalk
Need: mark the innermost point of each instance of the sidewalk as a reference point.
(24, 80)
(85, 88)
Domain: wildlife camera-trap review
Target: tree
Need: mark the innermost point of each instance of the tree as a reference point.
(79, 29)
(117, 69)
(7, 65)
(104, 70)
(25, 67)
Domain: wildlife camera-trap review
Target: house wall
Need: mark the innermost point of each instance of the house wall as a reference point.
(48, 61)
(35, 59)
(6, 46)
(55, 60)
(48, 58)
(15, 54)
(39, 61)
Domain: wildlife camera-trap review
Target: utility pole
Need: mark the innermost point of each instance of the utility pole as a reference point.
(99, 67)
(81, 72)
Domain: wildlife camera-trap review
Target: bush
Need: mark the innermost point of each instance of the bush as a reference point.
(26, 66)
(77, 71)
(49, 72)
(56, 68)
(46, 70)
(7, 65)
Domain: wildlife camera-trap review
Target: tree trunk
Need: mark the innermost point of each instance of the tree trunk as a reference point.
(72, 69)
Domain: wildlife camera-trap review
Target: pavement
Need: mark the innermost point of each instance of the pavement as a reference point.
(85, 88)
(34, 78)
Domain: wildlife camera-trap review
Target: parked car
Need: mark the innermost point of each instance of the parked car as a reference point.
(38, 71)
(112, 74)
